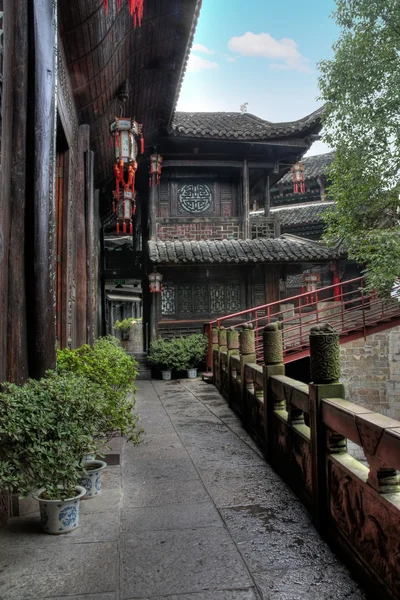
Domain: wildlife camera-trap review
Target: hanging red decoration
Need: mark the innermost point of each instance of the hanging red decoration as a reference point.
(141, 144)
(136, 10)
(155, 168)
(125, 132)
(298, 178)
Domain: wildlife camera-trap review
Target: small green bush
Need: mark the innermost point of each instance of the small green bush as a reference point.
(124, 325)
(107, 365)
(179, 353)
(46, 427)
(161, 355)
(195, 348)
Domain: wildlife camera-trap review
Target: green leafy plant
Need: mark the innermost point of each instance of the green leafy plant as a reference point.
(107, 365)
(195, 348)
(45, 428)
(162, 355)
(124, 325)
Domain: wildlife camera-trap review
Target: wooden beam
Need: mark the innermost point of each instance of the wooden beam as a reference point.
(80, 228)
(90, 237)
(42, 354)
(234, 164)
(246, 201)
(6, 156)
(267, 198)
(17, 323)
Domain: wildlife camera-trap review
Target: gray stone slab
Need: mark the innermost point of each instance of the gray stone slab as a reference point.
(72, 569)
(85, 597)
(168, 469)
(161, 427)
(224, 453)
(282, 550)
(261, 519)
(245, 485)
(111, 478)
(330, 582)
(159, 493)
(177, 562)
(170, 516)
(248, 594)
(156, 446)
(26, 531)
(107, 501)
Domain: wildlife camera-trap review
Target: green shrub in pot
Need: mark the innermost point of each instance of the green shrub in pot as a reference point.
(162, 355)
(195, 348)
(45, 428)
(107, 365)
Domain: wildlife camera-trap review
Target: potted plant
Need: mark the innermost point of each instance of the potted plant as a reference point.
(124, 327)
(195, 348)
(46, 426)
(162, 355)
(91, 479)
(106, 365)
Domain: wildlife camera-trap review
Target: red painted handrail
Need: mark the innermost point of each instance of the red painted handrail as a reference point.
(346, 306)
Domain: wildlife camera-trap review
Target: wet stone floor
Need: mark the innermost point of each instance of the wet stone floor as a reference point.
(193, 513)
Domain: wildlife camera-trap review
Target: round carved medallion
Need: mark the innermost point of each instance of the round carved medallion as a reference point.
(195, 198)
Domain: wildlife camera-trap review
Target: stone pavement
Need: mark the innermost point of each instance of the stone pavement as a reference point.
(197, 514)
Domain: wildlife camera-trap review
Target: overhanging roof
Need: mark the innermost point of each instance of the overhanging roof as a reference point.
(241, 126)
(314, 166)
(284, 249)
(102, 51)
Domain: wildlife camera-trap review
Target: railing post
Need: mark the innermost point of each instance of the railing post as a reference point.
(273, 365)
(233, 350)
(247, 353)
(325, 373)
(222, 347)
(214, 346)
(208, 328)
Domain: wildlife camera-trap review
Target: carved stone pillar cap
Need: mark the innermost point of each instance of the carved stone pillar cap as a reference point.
(324, 354)
(273, 346)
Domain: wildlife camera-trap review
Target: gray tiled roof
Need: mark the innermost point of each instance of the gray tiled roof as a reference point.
(285, 249)
(314, 166)
(241, 126)
(299, 215)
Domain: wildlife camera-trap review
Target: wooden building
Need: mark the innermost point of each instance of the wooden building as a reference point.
(214, 255)
(63, 65)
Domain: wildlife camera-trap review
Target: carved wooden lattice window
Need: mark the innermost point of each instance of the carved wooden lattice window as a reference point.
(217, 299)
(233, 298)
(168, 300)
(185, 302)
(201, 300)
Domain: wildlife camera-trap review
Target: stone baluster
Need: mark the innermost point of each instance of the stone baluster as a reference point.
(273, 365)
(247, 352)
(325, 373)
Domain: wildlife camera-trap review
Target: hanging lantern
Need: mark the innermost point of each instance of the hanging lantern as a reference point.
(298, 178)
(125, 132)
(155, 280)
(155, 168)
(136, 9)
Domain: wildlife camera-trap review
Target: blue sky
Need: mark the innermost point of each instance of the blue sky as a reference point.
(262, 52)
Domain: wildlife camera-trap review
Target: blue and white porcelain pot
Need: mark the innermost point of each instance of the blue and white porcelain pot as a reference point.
(192, 373)
(166, 375)
(91, 480)
(60, 516)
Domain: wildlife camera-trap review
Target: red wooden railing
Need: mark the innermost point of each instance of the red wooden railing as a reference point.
(347, 306)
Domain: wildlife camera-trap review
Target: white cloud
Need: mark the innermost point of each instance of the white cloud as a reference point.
(265, 46)
(201, 48)
(196, 64)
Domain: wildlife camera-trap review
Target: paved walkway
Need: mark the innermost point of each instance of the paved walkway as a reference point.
(196, 515)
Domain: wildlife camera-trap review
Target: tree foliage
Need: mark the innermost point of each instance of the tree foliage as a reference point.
(361, 88)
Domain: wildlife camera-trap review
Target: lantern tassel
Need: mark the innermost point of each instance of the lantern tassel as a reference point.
(119, 4)
(117, 228)
(131, 228)
(141, 144)
(124, 227)
(105, 2)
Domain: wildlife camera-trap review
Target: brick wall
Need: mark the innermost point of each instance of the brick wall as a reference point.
(371, 372)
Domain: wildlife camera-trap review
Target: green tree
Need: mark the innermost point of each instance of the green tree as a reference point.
(361, 88)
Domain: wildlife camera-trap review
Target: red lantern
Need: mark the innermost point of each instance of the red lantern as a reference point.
(136, 9)
(155, 280)
(125, 132)
(155, 168)
(298, 178)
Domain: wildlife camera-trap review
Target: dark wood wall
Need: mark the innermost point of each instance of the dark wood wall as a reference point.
(43, 301)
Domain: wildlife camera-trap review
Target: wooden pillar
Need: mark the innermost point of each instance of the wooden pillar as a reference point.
(267, 199)
(90, 237)
(80, 228)
(246, 201)
(42, 354)
(17, 335)
(7, 24)
(153, 316)
(153, 203)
